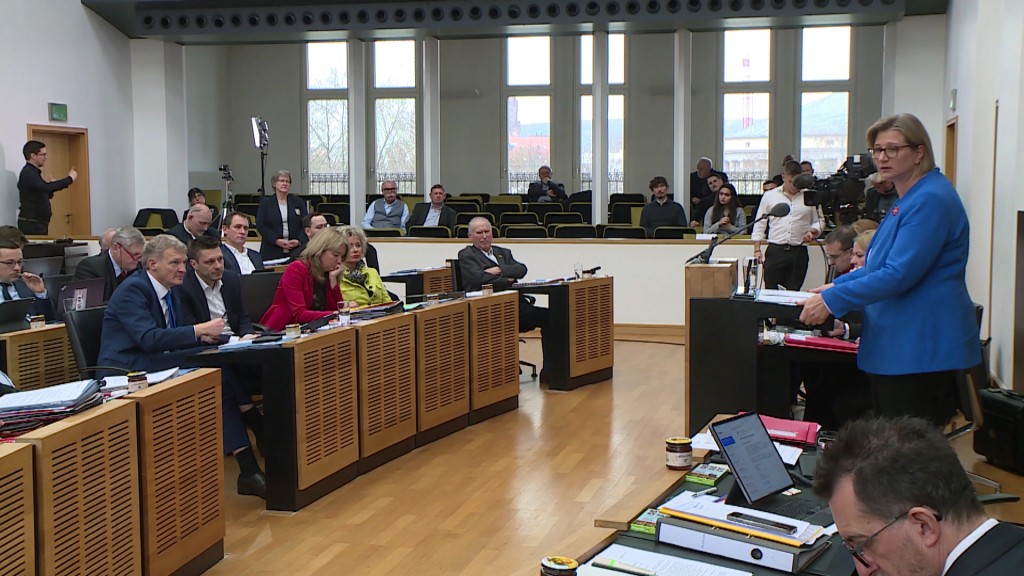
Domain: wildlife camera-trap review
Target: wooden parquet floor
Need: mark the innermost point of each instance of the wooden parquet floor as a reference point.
(491, 499)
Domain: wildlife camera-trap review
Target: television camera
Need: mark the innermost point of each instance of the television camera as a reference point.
(841, 194)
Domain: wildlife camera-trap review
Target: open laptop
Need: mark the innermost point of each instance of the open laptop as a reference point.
(89, 294)
(13, 313)
(760, 474)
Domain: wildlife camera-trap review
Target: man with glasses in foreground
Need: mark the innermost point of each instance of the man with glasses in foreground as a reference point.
(16, 285)
(904, 505)
(115, 264)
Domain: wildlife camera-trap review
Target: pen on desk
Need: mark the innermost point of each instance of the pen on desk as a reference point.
(711, 490)
(610, 564)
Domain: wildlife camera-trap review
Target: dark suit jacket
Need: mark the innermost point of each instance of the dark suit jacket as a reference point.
(268, 222)
(534, 192)
(699, 189)
(179, 232)
(99, 266)
(214, 228)
(135, 335)
(230, 263)
(419, 216)
(1000, 551)
(194, 300)
(41, 306)
(473, 262)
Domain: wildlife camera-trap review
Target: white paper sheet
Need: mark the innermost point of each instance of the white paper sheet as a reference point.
(705, 441)
(660, 563)
(788, 297)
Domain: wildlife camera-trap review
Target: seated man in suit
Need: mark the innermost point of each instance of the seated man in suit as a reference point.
(196, 224)
(387, 212)
(313, 223)
(116, 263)
(238, 258)
(482, 263)
(904, 505)
(435, 213)
(16, 285)
(148, 327)
(544, 189)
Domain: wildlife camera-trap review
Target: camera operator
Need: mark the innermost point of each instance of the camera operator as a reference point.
(880, 197)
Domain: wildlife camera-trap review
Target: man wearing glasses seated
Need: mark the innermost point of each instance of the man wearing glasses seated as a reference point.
(387, 212)
(115, 264)
(16, 285)
(904, 505)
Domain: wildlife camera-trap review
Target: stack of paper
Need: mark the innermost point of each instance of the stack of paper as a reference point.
(660, 564)
(24, 411)
(714, 513)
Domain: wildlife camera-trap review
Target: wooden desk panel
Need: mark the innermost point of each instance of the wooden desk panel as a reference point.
(494, 350)
(326, 404)
(39, 358)
(17, 516)
(387, 385)
(437, 280)
(591, 326)
(442, 364)
(87, 492)
(182, 473)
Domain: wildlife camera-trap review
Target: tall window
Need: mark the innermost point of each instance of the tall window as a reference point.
(746, 107)
(825, 97)
(326, 98)
(528, 109)
(394, 113)
(616, 113)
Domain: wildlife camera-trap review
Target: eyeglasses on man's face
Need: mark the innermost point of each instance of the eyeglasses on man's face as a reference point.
(858, 550)
(891, 151)
(135, 257)
(13, 263)
(833, 257)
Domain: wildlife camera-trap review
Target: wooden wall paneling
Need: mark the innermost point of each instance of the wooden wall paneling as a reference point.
(326, 404)
(87, 493)
(591, 326)
(181, 449)
(17, 513)
(442, 366)
(39, 358)
(494, 349)
(387, 387)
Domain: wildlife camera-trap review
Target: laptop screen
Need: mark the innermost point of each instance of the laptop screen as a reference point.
(755, 463)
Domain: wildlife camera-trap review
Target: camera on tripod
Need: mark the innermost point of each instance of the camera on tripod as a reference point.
(225, 173)
(840, 194)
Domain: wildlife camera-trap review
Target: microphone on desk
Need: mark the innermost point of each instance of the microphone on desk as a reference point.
(592, 271)
(777, 211)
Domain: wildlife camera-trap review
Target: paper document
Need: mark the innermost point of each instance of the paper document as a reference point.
(276, 261)
(661, 564)
(115, 382)
(789, 454)
(713, 513)
(50, 397)
(788, 297)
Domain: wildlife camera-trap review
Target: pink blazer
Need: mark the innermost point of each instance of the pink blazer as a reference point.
(294, 299)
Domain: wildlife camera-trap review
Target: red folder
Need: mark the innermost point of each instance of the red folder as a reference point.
(822, 343)
(791, 431)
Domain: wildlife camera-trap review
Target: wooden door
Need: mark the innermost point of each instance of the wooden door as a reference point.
(66, 148)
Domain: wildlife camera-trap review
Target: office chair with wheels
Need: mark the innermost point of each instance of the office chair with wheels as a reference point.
(84, 327)
(974, 417)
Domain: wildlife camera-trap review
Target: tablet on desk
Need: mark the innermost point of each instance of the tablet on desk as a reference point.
(13, 312)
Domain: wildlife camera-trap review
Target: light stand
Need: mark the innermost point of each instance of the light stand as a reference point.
(261, 140)
(227, 203)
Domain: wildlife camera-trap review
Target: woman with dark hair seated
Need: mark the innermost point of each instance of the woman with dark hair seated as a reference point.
(309, 287)
(360, 284)
(727, 216)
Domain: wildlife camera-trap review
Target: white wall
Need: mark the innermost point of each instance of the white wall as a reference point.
(59, 51)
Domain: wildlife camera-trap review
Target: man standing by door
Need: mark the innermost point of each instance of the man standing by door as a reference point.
(34, 192)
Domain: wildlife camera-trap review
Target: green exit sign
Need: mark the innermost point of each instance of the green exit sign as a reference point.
(58, 112)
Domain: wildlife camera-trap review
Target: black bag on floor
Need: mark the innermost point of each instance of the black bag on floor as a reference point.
(1001, 438)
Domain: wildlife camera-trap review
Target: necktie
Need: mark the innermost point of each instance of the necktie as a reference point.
(7, 290)
(170, 311)
(122, 276)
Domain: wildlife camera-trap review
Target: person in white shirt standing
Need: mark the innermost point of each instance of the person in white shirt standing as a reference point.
(785, 259)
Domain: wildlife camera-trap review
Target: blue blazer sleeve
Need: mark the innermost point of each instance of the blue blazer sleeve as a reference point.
(137, 312)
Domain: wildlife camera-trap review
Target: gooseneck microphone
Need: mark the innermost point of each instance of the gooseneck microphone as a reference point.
(777, 211)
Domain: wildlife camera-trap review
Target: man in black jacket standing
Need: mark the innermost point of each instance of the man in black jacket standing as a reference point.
(34, 192)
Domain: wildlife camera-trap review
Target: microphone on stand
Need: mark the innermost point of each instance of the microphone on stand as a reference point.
(777, 211)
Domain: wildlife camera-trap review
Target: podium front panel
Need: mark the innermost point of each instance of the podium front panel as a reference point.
(494, 348)
(591, 326)
(326, 404)
(437, 280)
(181, 448)
(87, 492)
(17, 517)
(387, 382)
(442, 363)
(39, 358)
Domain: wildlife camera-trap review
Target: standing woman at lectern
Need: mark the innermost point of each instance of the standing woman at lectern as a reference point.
(919, 322)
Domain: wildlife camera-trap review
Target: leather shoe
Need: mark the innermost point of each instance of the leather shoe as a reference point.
(253, 485)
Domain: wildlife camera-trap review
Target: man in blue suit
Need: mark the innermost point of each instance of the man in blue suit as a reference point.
(148, 327)
(16, 285)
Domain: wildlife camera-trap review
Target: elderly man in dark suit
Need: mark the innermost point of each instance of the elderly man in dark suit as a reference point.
(148, 327)
(434, 213)
(116, 263)
(18, 285)
(238, 258)
(483, 263)
(544, 189)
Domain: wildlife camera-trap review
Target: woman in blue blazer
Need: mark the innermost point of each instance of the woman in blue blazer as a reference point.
(278, 241)
(919, 325)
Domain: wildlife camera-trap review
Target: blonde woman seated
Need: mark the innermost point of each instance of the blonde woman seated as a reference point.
(727, 216)
(360, 284)
(860, 248)
(309, 288)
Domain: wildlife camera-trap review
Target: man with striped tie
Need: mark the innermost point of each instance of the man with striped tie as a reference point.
(16, 285)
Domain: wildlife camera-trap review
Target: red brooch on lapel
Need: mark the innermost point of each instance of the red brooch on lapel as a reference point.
(895, 210)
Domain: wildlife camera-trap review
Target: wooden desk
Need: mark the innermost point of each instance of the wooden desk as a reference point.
(494, 355)
(38, 358)
(17, 514)
(87, 492)
(182, 474)
(310, 409)
(387, 389)
(442, 370)
(423, 280)
(581, 322)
